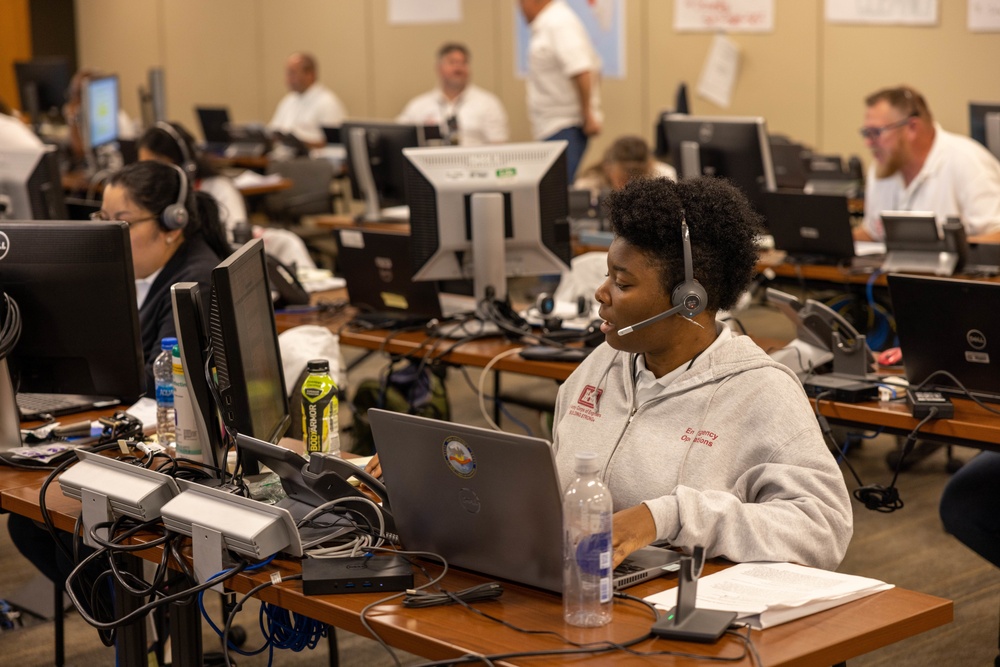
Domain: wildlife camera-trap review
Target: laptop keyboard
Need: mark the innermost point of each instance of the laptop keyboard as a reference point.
(33, 406)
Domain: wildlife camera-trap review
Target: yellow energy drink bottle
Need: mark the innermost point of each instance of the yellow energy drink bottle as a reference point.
(320, 427)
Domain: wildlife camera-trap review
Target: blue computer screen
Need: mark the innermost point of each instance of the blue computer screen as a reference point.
(102, 110)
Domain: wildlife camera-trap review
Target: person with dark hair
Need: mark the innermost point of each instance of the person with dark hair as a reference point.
(309, 106)
(173, 144)
(628, 158)
(466, 114)
(918, 166)
(703, 439)
(168, 245)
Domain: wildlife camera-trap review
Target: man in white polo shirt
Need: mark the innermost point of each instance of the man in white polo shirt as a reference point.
(918, 166)
(309, 106)
(466, 114)
(563, 87)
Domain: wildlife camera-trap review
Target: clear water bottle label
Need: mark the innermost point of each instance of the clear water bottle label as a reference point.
(165, 394)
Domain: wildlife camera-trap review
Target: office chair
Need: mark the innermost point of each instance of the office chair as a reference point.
(310, 194)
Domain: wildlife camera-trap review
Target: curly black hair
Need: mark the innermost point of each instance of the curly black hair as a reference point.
(647, 214)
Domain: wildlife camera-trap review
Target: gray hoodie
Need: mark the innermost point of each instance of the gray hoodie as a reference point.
(728, 456)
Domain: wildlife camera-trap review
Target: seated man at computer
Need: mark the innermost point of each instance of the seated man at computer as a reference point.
(703, 438)
(918, 166)
(466, 114)
(309, 106)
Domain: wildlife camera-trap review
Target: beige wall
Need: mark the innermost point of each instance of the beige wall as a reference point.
(807, 78)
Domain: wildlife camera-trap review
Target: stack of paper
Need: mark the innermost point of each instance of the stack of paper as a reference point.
(767, 594)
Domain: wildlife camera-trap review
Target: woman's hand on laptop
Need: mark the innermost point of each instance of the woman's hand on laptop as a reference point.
(633, 529)
(374, 468)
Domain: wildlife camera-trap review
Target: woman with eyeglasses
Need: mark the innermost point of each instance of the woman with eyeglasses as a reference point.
(176, 237)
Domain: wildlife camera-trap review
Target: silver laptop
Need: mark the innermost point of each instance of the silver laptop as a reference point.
(913, 244)
(485, 500)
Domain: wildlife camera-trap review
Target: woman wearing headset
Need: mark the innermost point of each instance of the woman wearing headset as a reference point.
(176, 237)
(703, 439)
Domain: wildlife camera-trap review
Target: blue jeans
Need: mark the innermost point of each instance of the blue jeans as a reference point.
(574, 152)
(969, 506)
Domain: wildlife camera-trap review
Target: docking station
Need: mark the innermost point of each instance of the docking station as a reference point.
(358, 574)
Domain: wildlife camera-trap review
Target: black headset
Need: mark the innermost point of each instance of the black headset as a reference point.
(176, 215)
(188, 163)
(688, 294)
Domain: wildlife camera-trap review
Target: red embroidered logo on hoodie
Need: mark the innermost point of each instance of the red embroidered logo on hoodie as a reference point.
(587, 403)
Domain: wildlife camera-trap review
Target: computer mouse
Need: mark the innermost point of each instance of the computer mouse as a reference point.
(891, 357)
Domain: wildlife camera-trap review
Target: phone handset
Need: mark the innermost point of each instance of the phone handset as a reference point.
(333, 473)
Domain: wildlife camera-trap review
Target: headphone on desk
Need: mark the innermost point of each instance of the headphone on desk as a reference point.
(188, 163)
(176, 215)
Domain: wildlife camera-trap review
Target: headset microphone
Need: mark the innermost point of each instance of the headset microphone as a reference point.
(688, 298)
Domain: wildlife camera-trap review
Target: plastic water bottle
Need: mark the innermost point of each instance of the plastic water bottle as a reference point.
(320, 407)
(185, 425)
(163, 376)
(587, 552)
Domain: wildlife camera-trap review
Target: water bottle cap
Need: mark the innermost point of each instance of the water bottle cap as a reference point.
(318, 366)
(168, 343)
(586, 462)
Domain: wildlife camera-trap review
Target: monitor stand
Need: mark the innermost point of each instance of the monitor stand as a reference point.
(361, 164)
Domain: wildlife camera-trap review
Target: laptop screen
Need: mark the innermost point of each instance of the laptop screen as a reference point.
(949, 325)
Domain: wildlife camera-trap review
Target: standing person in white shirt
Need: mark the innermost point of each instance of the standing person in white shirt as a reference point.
(918, 166)
(309, 106)
(563, 87)
(466, 114)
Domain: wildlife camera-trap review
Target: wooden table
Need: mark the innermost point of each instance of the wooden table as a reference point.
(448, 632)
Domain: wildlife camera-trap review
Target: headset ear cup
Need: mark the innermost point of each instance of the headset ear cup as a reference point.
(175, 216)
(692, 296)
(582, 306)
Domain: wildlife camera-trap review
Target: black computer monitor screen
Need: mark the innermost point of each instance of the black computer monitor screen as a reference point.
(984, 125)
(245, 346)
(191, 325)
(734, 148)
(31, 186)
(100, 104)
(375, 163)
(75, 287)
(42, 84)
(512, 198)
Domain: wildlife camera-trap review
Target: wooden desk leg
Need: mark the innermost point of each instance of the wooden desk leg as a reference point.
(130, 644)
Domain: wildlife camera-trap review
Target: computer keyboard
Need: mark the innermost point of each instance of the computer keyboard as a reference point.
(33, 406)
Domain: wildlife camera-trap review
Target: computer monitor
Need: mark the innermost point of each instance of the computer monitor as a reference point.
(153, 98)
(100, 111)
(488, 212)
(244, 339)
(375, 163)
(984, 125)
(42, 84)
(74, 285)
(31, 185)
(729, 147)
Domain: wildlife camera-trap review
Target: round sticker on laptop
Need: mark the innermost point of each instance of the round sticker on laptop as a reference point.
(459, 457)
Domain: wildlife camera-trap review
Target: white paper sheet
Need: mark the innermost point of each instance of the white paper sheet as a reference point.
(718, 74)
(408, 12)
(724, 15)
